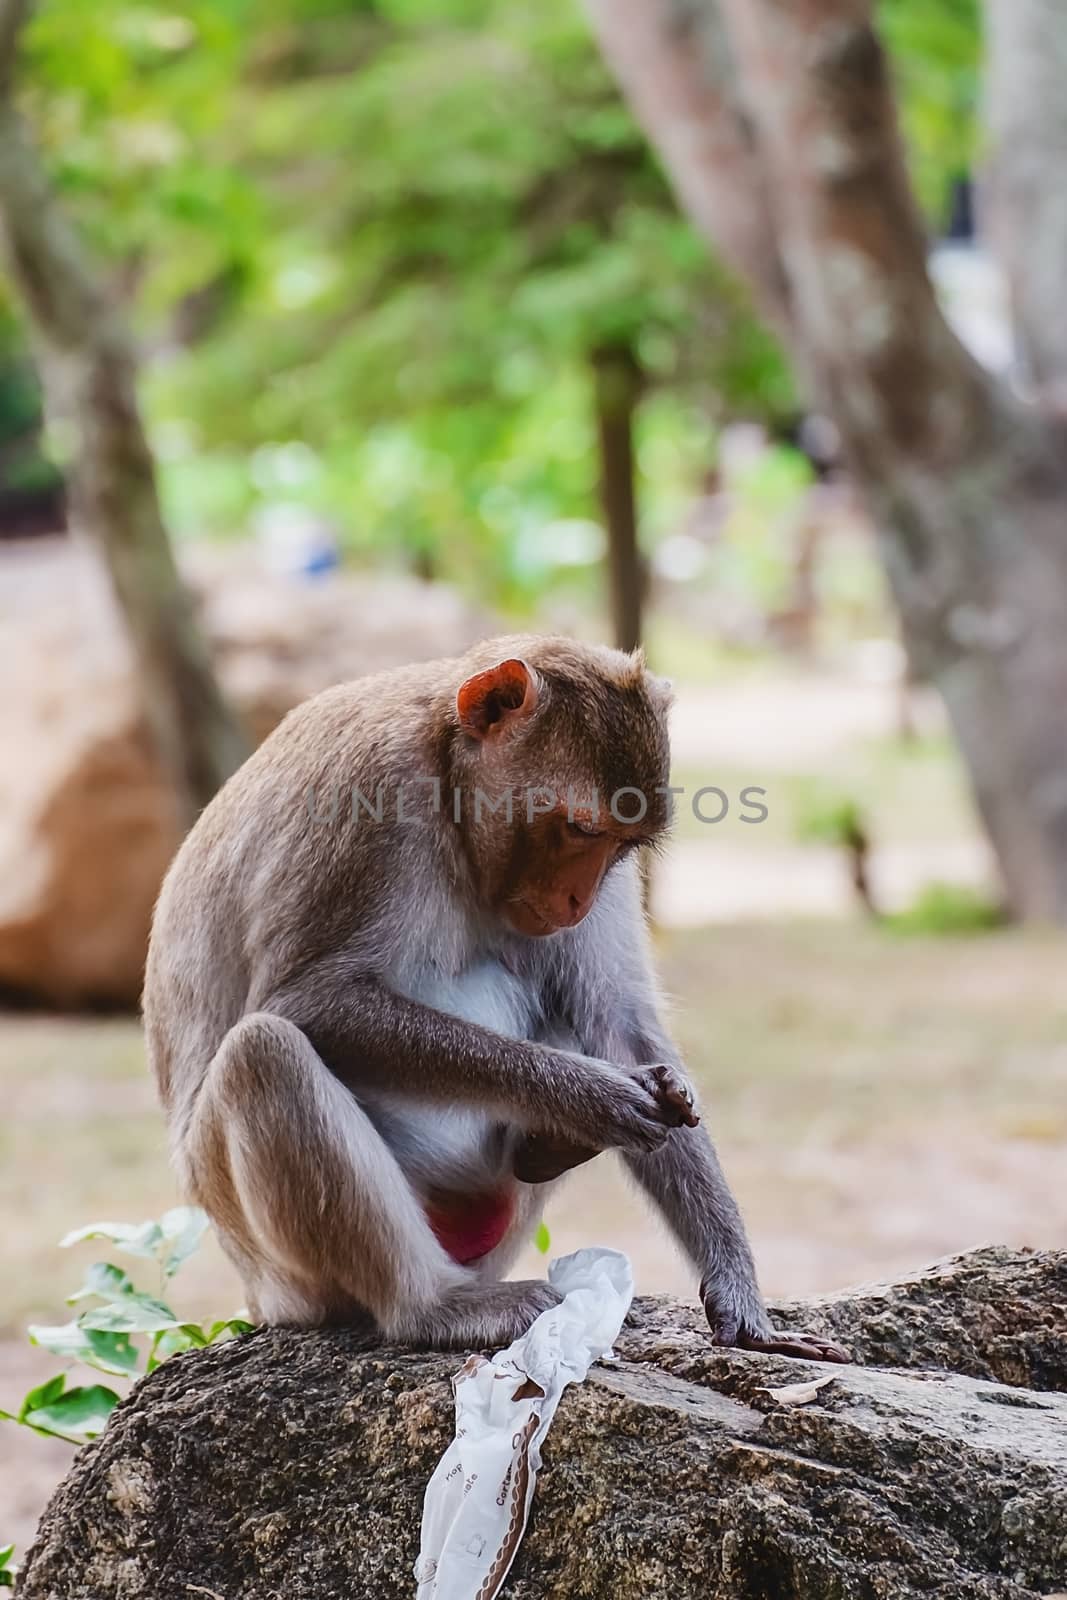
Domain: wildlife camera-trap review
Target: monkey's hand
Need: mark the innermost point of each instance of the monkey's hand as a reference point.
(739, 1332)
(544, 1156)
(673, 1093)
(635, 1109)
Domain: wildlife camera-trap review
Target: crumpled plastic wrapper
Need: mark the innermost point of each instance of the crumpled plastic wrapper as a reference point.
(478, 1500)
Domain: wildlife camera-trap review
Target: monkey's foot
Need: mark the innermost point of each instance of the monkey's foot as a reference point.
(542, 1157)
(483, 1316)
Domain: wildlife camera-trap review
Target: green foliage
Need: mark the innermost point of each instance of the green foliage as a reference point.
(370, 246)
(827, 816)
(936, 48)
(947, 909)
(114, 1353)
(171, 1241)
(76, 1415)
(24, 470)
(123, 1330)
(543, 1239)
(376, 244)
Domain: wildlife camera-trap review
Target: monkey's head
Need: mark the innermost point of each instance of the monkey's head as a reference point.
(563, 761)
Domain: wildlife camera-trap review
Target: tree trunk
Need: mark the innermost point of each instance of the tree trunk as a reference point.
(617, 389)
(291, 1463)
(968, 490)
(1024, 198)
(89, 378)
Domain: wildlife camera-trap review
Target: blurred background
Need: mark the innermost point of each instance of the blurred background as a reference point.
(335, 333)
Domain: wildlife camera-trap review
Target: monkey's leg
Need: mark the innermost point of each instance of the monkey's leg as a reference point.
(291, 1168)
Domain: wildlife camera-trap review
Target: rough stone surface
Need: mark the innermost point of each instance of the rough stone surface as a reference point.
(293, 1464)
(86, 825)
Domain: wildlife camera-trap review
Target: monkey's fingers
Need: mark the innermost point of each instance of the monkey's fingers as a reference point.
(728, 1331)
(682, 1102)
(799, 1346)
(674, 1092)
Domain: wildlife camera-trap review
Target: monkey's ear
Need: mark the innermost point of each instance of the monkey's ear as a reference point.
(496, 699)
(662, 690)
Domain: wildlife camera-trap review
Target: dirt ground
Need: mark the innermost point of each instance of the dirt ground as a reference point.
(879, 1101)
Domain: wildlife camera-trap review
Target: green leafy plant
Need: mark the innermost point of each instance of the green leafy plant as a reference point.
(122, 1331)
(827, 817)
(948, 908)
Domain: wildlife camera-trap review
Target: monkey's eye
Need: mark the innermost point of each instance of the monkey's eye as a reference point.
(583, 830)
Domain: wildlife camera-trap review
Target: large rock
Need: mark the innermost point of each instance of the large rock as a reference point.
(86, 827)
(293, 1464)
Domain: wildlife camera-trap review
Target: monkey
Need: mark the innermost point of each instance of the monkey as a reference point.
(399, 984)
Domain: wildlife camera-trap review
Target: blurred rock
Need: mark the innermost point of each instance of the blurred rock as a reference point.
(86, 828)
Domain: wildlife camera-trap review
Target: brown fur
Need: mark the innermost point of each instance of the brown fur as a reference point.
(348, 1017)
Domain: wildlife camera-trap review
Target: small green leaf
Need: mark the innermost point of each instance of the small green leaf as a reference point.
(543, 1239)
(182, 1229)
(76, 1415)
(104, 1280)
(8, 1569)
(43, 1395)
(172, 1341)
(130, 1313)
(230, 1328)
(110, 1352)
(6, 1552)
(135, 1238)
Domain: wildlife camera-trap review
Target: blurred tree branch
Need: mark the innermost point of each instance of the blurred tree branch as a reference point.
(674, 61)
(13, 14)
(617, 385)
(89, 375)
(865, 316)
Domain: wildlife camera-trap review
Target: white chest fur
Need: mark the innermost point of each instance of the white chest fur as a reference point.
(486, 992)
(436, 1143)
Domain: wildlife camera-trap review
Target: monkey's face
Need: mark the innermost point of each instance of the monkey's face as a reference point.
(568, 777)
(556, 870)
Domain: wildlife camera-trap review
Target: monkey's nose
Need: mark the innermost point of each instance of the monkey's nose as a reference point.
(574, 909)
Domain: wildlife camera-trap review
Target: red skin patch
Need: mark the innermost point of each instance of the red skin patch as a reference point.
(468, 1227)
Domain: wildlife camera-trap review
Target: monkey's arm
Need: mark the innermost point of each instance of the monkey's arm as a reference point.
(686, 1181)
(689, 1187)
(371, 1037)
